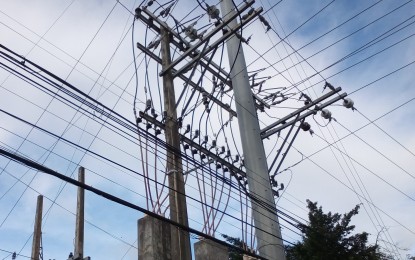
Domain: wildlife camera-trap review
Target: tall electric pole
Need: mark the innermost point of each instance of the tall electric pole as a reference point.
(37, 232)
(267, 230)
(79, 229)
(180, 241)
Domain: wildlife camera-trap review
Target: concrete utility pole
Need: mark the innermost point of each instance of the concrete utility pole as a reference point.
(180, 241)
(79, 229)
(267, 230)
(37, 233)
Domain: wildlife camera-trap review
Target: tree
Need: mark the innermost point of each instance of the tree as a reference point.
(329, 237)
(233, 253)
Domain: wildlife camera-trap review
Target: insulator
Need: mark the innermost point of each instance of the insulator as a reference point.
(206, 139)
(164, 13)
(148, 104)
(205, 101)
(157, 132)
(203, 156)
(148, 126)
(218, 166)
(153, 44)
(139, 120)
(326, 114)
(305, 126)
(194, 151)
(186, 146)
(150, 3)
(222, 150)
(191, 32)
(348, 103)
(236, 159)
(225, 169)
(187, 129)
(213, 143)
(196, 135)
(240, 177)
(212, 11)
(153, 113)
(228, 153)
(274, 183)
(282, 186)
(276, 193)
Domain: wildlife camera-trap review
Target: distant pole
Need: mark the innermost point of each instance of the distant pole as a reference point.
(268, 233)
(180, 240)
(38, 229)
(79, 229)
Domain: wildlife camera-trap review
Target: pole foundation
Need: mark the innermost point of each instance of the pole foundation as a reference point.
(209, 250)
(154, 239)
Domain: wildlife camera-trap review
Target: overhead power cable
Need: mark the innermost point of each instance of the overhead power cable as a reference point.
(117, 200)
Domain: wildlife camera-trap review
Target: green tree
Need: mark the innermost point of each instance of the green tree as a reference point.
(329, 237)
(233, 253)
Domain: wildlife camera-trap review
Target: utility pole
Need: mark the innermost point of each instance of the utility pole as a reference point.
(80, 220)
(267, 231)
(37, 233)
(79, 229)
(180, 241)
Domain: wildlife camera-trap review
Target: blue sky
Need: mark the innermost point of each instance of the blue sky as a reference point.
(89, 44)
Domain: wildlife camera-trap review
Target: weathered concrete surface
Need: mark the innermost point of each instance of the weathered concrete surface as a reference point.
(247, 257)
(154, 239)
(208, 250)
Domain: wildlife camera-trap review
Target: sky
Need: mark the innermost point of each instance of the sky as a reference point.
(363, 156)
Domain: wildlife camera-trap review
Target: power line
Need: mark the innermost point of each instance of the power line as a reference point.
(115, 199)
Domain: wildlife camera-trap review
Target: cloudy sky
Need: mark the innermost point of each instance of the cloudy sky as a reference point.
(362, 156)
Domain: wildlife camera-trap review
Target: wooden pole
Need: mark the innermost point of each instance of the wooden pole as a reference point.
(180, 241)
(38, 229)
(79, 230)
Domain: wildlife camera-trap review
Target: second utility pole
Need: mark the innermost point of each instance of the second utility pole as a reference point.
(267, 228)
(80, 212)
(37, 233)
(180, 241)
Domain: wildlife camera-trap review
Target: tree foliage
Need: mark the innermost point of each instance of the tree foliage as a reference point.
(329, 237)
(233, 253)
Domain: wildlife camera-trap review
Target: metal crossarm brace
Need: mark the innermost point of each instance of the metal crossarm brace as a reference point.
(191, 83)
(282, 145)
(181, 43)
(202, 149)
(312, 112)
(207, 37)
(288, 149)
(314, 102)
(230, 33)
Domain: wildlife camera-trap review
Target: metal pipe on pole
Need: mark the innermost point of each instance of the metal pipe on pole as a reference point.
(269, 244)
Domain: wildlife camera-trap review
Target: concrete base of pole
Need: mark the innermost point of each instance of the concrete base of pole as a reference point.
(154, 239)
(208, 250)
